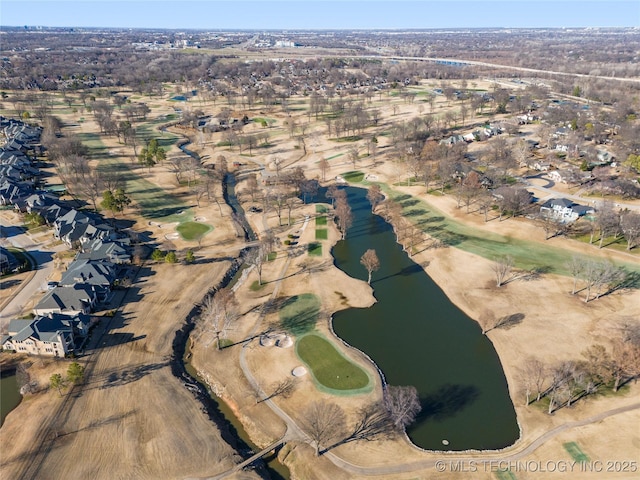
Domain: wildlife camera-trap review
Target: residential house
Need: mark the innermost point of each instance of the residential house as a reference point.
(75, 228)
(105, 250)
(100, 275)
(53, 335)
(12, 191)
(564, 210)
(79, 298)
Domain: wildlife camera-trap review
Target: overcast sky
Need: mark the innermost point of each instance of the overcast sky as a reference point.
(323, 14)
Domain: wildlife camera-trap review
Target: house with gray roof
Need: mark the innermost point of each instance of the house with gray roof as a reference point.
(564, 210)
(79, 298)
(75, 228)
(105, 250)
(53, 335)
(100, 275)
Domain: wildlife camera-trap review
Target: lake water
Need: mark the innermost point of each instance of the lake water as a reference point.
(9, 395)
(418, 337)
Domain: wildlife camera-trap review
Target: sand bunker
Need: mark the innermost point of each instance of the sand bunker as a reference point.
(299, 371)
(267, 341)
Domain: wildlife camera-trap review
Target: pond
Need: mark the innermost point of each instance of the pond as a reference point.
(418, 337)
(9, 394)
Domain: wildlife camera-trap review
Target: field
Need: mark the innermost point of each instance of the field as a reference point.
(110, 419)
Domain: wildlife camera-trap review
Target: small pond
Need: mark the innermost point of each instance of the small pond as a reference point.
(9, 394)
(418, 337)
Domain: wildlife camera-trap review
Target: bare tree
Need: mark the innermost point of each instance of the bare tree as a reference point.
(283, 388)
(533, 375)
(630, 224)
(575, 266)
(371, 262)
(403, 405)
(502, 268)
(324, 422)
(324, 168)
(219, 311)
(375, 196)
(344, 215)
(373, 422)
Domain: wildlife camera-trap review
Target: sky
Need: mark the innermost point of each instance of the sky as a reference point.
(320, 14)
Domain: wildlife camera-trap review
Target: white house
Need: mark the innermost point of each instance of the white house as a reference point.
(564, 210)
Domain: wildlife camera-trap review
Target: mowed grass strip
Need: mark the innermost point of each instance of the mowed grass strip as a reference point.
(322, 234)
(193, 230)
(576, 452)
(315, 249)
(526, 254)
(328, 366)
(299, 314)
(321, 221)
(154, 201)
(354, 176)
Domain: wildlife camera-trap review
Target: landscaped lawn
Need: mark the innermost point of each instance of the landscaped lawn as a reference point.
(320, 208)
(328, 366)
(193, 230)
(315, 249)
(321, 221)
(322, 234)
(299, 314)
(576, 452)
(354, 176)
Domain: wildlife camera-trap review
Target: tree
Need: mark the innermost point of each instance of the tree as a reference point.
(56, 381)
(403, 405)
(630, 225)
(219, 312)
(533, 375)
(608, 221)
(323, 422)
(324, 168)
(344, 216)
(375, 196)
(115, 201)
(190, 257)
(75, 373)
(575, 267)
(371, 262)
(157, 255)
(283, 388)
(171, 257)
(502, 269)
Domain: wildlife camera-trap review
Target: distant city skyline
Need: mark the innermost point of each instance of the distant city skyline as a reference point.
(320, 14)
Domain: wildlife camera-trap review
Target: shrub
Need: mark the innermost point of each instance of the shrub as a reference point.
(158, 255)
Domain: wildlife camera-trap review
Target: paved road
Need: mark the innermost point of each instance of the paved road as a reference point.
(576, 198)
(42, 254)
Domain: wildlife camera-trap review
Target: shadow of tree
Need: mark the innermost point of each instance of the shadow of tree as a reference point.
(447, 401)
(415, 212)
(409, 203)
(299, 314)
(509, 321)
(126, 376)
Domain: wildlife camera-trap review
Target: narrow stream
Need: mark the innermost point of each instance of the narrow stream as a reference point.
(222, 415)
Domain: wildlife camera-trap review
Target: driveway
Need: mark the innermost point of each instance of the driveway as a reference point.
(42, 256)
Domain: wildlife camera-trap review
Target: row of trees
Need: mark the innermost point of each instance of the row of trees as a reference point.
(74, 376)
(566, 382)
(327, 427)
